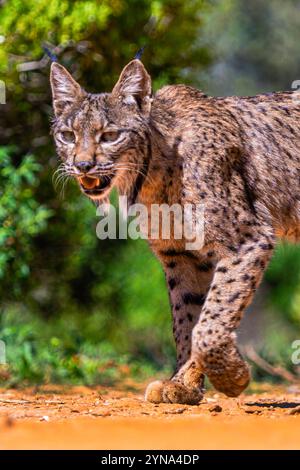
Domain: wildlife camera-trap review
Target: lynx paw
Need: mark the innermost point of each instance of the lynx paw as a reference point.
(172, 392)
(229, 379)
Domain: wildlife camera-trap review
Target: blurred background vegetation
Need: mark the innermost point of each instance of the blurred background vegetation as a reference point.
(75, 309)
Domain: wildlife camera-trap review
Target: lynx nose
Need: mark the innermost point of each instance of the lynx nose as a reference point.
(84, 166)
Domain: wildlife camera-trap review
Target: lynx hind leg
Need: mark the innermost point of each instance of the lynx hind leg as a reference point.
(214, 339)
(188, 279)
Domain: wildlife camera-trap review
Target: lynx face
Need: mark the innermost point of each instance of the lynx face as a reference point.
(101, 138)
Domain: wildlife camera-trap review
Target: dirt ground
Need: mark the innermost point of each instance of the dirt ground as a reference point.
(53, 417)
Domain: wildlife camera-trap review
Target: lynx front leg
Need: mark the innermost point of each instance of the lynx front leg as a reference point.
(188, 279)
(214, 340)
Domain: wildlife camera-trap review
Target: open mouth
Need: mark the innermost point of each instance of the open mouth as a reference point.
(94, 186)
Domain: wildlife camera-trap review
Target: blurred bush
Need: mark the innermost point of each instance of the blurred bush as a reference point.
(21, 219)
(255, 45)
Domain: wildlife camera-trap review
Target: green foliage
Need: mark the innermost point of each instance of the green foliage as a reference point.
(61, 351)
(283, 277)
(21, 219)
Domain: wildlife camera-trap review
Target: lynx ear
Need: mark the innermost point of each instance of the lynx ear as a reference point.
(65, 90)
(134, 84)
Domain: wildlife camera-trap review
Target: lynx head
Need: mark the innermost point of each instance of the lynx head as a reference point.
(102, 138)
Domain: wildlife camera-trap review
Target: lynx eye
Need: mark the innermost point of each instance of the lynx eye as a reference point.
(110, 136)
(68, 137)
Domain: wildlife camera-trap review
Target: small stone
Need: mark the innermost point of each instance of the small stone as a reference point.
(175, 412)
(252, 410)
(45, 418)
(216, 409)
(103, 414)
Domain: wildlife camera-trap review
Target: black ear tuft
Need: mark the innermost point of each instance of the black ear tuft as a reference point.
(139, 53)
(50, 54)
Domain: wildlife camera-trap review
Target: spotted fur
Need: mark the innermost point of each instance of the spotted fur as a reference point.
(238, 156)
